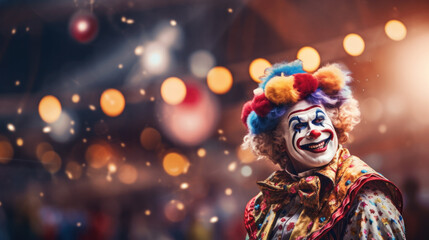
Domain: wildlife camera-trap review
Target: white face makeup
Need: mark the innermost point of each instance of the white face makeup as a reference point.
(310, 136)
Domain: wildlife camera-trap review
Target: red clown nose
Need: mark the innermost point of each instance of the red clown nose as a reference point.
(315, 133)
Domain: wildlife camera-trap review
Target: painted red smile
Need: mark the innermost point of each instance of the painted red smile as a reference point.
(317, 147)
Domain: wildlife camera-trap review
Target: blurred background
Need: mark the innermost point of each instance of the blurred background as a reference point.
(120, 119)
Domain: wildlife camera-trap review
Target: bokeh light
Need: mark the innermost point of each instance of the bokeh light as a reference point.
(19, 142)
(150, 138)
(73, 170)
(173, 90)
(42, 148)
(193, 121)
(11, 127)
(232, 166)
(51, 161)
(201, 62)
(246, 171)
(156, 58)
(245, 155)
(75, 98)
(219, 80)
(228, 191)
(310, 58)
(201, 152)
(127, 174)
(382, 128)
(257, 68)
(83, 26)
(184, 185)
(175, 164)
(353, 44)
(49, 109)
(138, 50)
(98, 155)
(395, 30)
(214, 219)
(60, 129)
(174, 211)
(112, 168)
(112, 102)
(6, 150)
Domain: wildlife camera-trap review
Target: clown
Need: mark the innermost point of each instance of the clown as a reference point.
(299, 121)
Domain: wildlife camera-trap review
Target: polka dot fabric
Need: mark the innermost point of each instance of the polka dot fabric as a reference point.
(373, 217)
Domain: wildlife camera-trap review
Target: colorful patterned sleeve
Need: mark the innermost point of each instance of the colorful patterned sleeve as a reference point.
(374, 216)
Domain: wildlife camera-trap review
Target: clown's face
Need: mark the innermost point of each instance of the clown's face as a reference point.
(311, 140)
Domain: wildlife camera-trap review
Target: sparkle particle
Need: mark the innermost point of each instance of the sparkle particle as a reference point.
(11, 127)
(47, 129)
(214, 219)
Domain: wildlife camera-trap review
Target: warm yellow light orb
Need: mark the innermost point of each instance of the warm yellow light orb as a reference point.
(98, 155)
(354, 44)
(150, 138)
(395, 30)
(173, 90)
(75, 98)
(19, 142)
(112, 102)
(127, 174)
(219, 80)
(257, 68)
(175, 164)
(49, 109)
(310, 58)
(201, 152)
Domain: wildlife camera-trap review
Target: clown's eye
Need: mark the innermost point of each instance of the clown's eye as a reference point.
(299, 126)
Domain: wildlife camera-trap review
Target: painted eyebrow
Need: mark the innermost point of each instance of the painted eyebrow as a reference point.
(320, 111)
(304, 110)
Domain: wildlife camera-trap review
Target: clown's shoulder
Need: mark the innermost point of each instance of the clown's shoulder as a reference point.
(355, 171)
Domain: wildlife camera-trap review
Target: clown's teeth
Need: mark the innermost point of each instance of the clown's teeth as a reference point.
(317, 146)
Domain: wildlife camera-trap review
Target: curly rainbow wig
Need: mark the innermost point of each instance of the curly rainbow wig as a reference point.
(283, 85)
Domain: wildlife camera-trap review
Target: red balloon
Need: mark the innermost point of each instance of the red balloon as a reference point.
(83, 27)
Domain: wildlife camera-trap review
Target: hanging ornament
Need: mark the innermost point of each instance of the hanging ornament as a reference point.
(83, 26)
